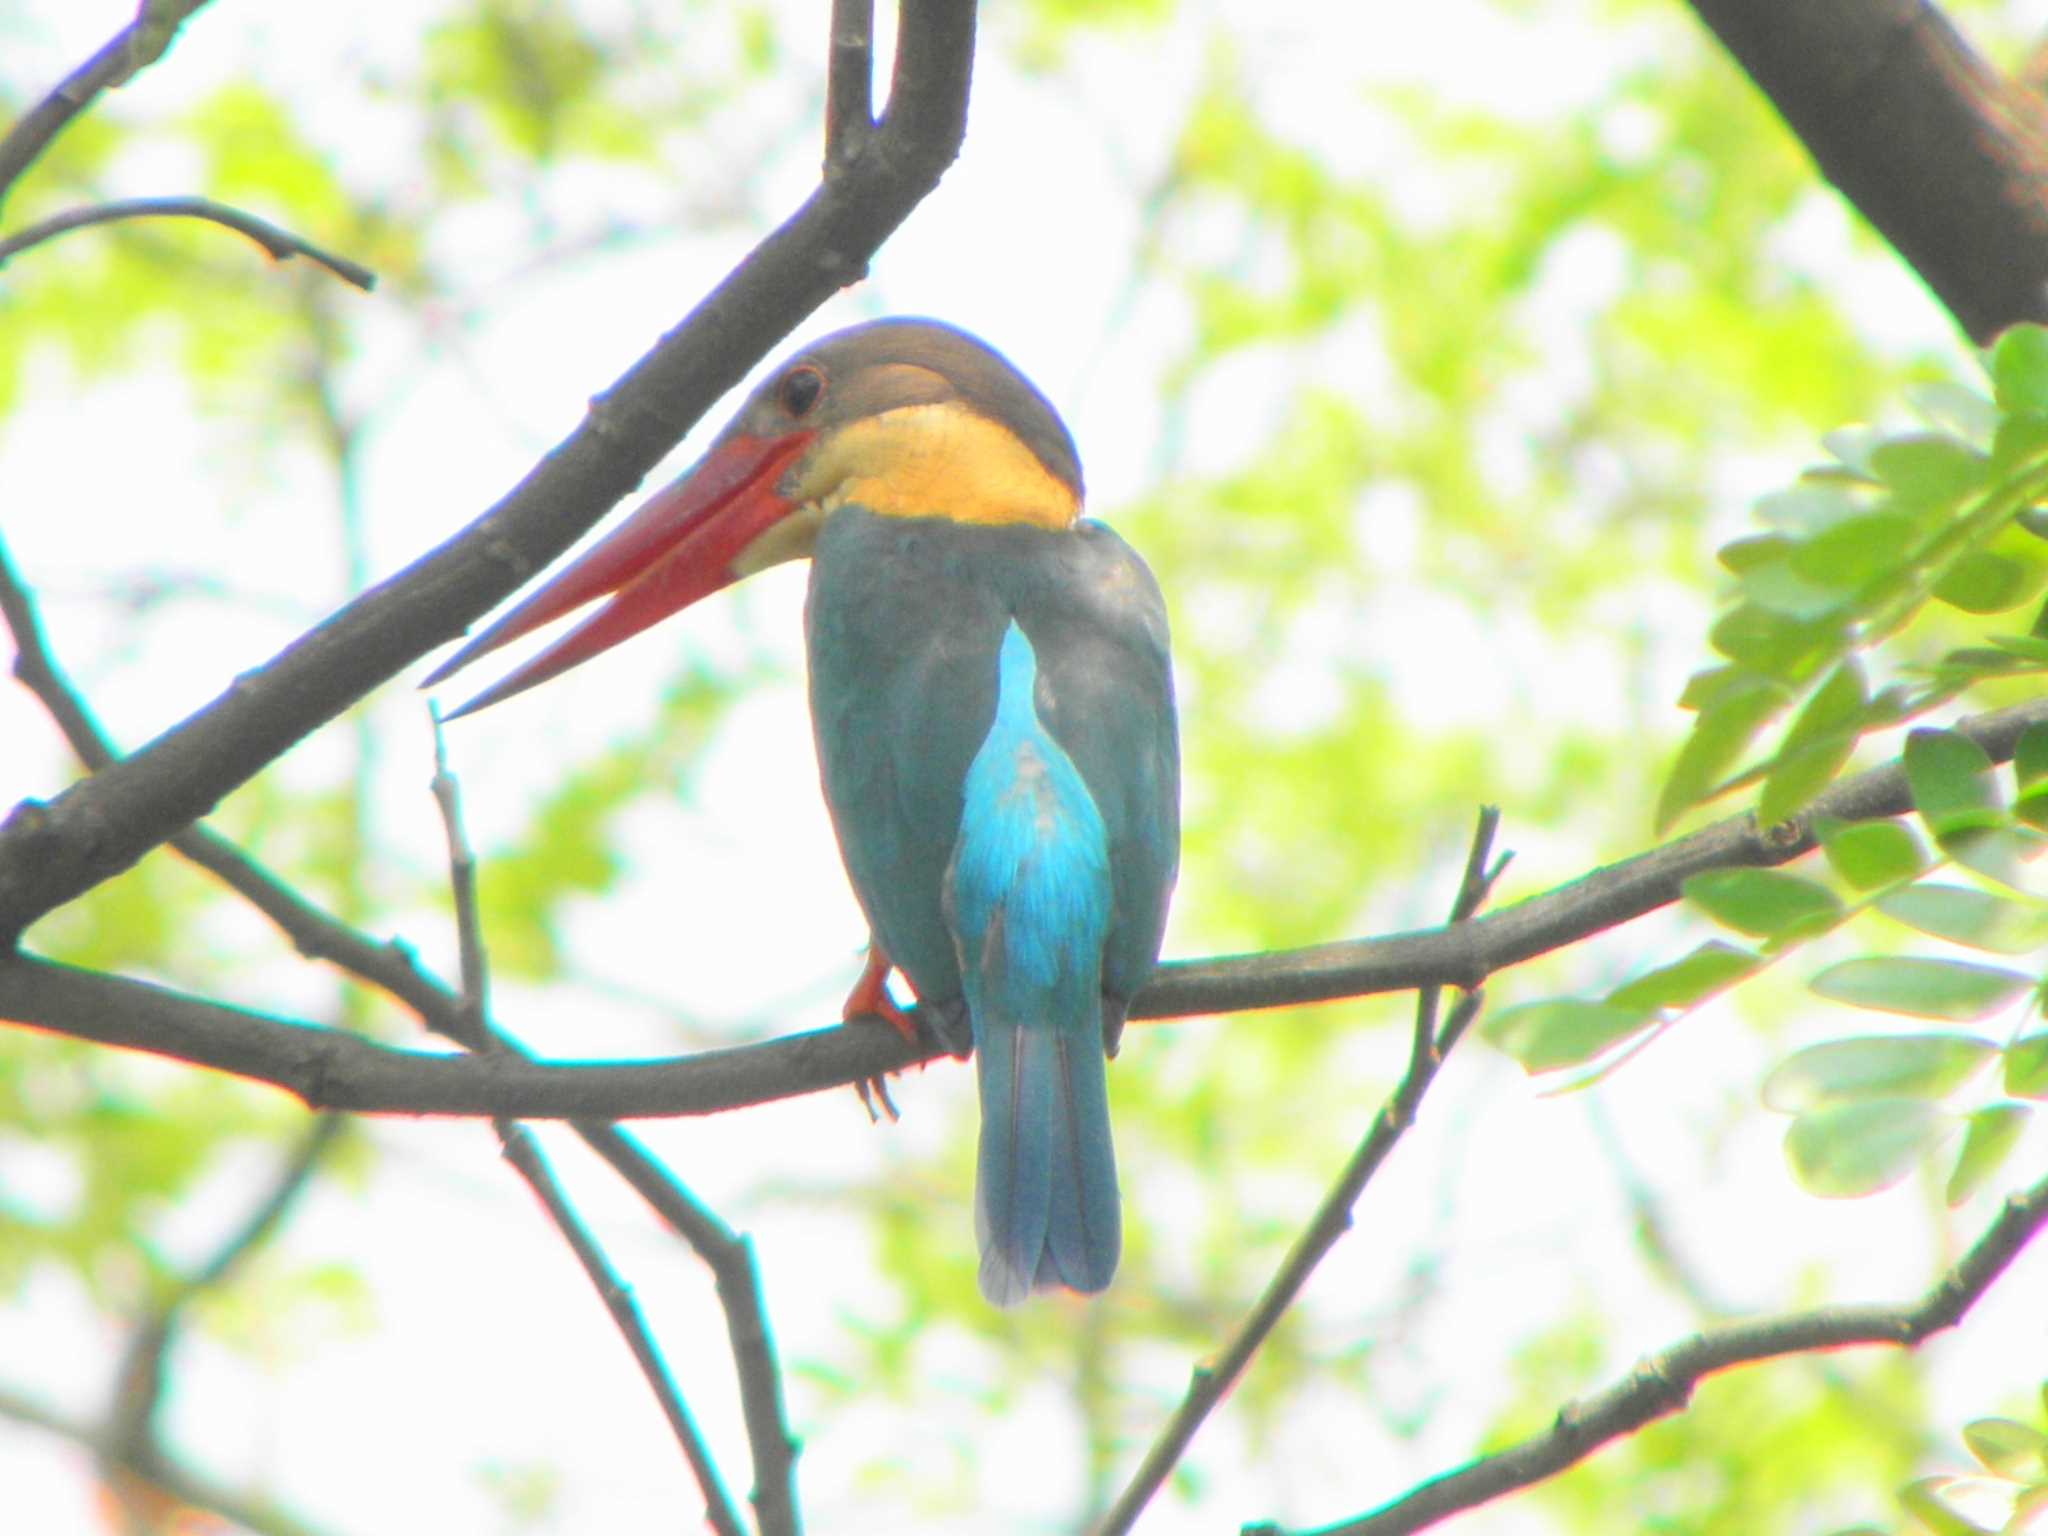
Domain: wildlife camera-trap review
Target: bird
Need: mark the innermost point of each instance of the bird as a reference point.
(992, 702)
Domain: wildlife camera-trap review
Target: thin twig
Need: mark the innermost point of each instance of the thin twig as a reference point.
(1210, 1382)
(527, 1159)
(524, 1154)
(1662, 1383)
(849, 83)
(394, 969)
(137, 45)
(131, 1435)
(178, 1486)
(280, 244)
(730, 1257)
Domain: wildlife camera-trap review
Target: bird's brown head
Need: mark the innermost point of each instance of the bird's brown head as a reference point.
(907, 418)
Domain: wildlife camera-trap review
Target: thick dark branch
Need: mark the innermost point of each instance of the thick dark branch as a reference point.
(849, 83)
(331, 1070)
(51, 853)
(139, 44)
(1946, 159)
(279, 243)
(1663, 1383)
(1212, 1380)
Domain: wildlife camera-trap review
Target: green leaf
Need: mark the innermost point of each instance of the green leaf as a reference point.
(2007, 1448)
(1561, 1031)
(1845, 557)
(2030, 770)
(1989, 1135)
(2019, 369)
(1842, 1151)
(1965, 915)
(1810, 507)
(1869, 854)
(1713, 967)
(1818, 743)
(1998, 853)
(1952, 784)
(1952, 405)
(1928, 989)
(1854, 447)
(2026, 1068)
(1980, 581)
(2020, 442)
(1923, 1501)
(1764, 902)
(2032, 647)
(1777, 645)
(1927, 1066)
(1974, 663)
(1929, 468)
(1775, 585)
(1718, 737)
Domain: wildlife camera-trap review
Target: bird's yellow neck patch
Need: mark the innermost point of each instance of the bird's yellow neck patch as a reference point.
(938, 460)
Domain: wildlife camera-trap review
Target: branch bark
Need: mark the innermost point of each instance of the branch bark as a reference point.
(280, 244)
(1210, 1382)
(328, 1069)
(136, 46)
(1663, 1383)
(1913, 127)
(51, 853)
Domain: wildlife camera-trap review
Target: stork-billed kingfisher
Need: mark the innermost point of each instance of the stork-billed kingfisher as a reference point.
(993, 705)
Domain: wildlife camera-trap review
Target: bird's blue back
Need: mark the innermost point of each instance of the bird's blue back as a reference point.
(996, 737)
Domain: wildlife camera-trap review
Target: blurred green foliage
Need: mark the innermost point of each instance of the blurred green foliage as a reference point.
(1520, 364)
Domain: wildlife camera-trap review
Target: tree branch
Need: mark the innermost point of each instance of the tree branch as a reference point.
(1210, 1382)
(51, 853)
(131, 1438)
(524, 1155)
(136, 46)
(391, 967)
(849, 83)
(1957, 176)
(177, 1485)
(279, 243)
(331, 1070)
(1663, 1383)
(530, 1163)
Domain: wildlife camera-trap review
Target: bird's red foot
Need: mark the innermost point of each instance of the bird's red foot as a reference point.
(870, 997)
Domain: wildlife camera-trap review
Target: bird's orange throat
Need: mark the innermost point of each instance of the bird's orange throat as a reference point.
(939, 460)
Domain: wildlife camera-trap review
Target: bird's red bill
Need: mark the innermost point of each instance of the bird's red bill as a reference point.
(679, 546)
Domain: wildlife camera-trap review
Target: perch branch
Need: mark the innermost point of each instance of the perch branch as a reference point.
(1210, 1382)
(331, 1070)
(1662, 1383)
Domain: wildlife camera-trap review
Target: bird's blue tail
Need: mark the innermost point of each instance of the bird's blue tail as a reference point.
(1029, 890)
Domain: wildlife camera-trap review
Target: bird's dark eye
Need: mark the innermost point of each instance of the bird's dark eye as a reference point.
(800, 389)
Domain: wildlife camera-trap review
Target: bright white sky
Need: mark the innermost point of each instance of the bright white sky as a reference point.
(487, 1347)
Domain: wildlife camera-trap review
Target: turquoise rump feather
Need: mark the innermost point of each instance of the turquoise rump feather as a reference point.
(1029, 890)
